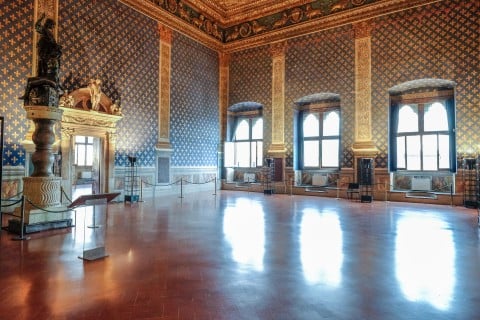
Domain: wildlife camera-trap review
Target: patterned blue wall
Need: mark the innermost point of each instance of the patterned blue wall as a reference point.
(251, 80)
(322, 62)
(194, 131)
(15, 67)
(110, 41)
(101, 39)
(440, 40)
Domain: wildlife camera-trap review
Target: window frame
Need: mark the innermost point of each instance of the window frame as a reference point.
(252, 112)
(422, 97)
(251, 122)
(421, 133)
(85, 144)
(321, 110)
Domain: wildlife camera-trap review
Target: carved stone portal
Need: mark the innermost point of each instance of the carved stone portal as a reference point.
(88, 111)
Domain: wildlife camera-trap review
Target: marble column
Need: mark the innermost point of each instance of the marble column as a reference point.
(163, 147)
(67, 159)
(164, 87)
(109, 150)
(223, 89)
(277, 148)
(364, 144)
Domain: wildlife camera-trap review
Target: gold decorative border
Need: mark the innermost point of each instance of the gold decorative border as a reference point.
(363, 90)
(278, 92)
(328, 22)
(283, 32)
(165, 48)
(223, 89)
(236, 14)
(151, 10)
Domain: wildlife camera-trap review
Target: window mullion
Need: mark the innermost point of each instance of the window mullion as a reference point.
(438, 151)
(320, 138)
(421, 127)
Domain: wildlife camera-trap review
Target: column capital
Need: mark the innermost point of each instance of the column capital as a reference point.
(365, 149)
(67, 132)
(277, 150)
(165, 33)
(278, 49)
(111, 136)
(363, 29)
(224, 59)
(164, 145)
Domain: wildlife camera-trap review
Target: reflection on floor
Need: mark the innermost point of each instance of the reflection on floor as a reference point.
(240, 255)
(81, 189)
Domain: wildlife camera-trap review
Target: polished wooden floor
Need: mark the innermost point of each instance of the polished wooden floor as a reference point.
(241, 255)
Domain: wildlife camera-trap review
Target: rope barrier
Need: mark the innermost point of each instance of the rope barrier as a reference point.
(65, 194)
(180, 181)
(189, 182)
(22, 222)
(45, 210)
(17, 201)
(21, 236)
(160, 185)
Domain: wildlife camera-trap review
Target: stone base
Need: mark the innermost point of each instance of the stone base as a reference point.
(41, 216)
(47, 214)
(41, 220)
(14, 226)
(45, 193)
(94, 254)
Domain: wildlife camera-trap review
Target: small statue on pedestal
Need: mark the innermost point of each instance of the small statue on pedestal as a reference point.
(44, 89)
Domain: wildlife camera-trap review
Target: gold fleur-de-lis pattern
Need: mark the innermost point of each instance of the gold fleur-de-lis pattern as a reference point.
(109, 41)
(194, 115)
(15, 67)
(441, 41)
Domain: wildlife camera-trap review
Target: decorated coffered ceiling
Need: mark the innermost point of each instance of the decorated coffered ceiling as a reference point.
(231, 12)
(232, 25)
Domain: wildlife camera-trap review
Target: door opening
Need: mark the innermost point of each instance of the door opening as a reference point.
(86, 165)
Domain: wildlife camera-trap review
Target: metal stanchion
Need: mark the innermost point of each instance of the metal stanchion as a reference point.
(386, 195)
(22, 222)
(181, 188)
(338, 191)
(215, 181)
(451, 198)
(141, 191)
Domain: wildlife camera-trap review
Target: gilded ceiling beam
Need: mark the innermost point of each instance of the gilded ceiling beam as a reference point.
(174, 22)
(210, 33)
(326, 22)
(230, 15)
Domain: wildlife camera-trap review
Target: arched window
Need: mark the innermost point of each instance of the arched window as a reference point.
(422, 126)
(244, 146)
(318, 131)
